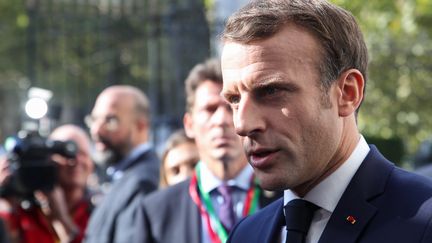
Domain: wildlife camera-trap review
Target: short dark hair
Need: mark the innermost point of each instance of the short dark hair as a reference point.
(209, 70)
(342, 42)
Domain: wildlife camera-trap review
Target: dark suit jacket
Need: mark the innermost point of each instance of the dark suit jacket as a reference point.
(170, 216)
(388, 203)
(112, 220)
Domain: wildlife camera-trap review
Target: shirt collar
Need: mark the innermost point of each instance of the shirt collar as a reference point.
(117, 170)
(328, 192)
(211, 182)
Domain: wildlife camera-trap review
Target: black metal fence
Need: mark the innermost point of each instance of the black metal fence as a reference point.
(75, 48)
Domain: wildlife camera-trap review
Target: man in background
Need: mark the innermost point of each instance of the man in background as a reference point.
(120, 127)
(223, 188)
(60, 214)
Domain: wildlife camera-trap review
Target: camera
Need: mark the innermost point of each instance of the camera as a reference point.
(31, 166)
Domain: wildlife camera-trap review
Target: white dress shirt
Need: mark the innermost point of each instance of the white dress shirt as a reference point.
(328, 192)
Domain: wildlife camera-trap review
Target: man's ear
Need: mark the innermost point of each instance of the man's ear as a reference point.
(187, 123)
(143, 123)
(351, 88)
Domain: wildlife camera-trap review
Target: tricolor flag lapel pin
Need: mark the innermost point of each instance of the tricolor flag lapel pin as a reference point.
(351, 219)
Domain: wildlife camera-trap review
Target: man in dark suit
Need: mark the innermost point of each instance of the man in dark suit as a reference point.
(120, 126)
(294, 74)
(199, 210)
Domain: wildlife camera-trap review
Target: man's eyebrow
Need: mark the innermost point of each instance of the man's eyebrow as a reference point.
(265, 80)
(270, 81)
(227, 93)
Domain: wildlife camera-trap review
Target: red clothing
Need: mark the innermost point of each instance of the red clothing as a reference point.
(81, 217)
(33, 226)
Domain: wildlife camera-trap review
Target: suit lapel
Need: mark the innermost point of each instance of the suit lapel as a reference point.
(194, 226)
(354, 212)
(347, 222)
(276, 223)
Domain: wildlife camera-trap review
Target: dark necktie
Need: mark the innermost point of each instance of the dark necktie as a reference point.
(226, 210)
(298, 217)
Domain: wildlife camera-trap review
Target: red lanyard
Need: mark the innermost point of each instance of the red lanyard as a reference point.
(219, 235)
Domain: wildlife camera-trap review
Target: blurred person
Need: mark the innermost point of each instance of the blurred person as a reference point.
(222, 189)
(60, 215)
(178, 159)
(4, 234)
(120, 127)
(294, 73)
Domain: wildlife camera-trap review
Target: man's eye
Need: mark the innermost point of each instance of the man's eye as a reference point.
(267, 91)
(211, 108)
(233, 99)
(111, 119)
(112, 122)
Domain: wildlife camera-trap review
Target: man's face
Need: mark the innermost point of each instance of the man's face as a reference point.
(73, 172)
(290, 130)
(210, 123)
(112, 125)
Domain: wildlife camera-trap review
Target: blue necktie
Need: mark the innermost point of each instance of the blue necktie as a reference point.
(298, 217)
(226, 210)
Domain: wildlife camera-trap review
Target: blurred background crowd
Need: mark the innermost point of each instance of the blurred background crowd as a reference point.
(75, 48)
(57, 57)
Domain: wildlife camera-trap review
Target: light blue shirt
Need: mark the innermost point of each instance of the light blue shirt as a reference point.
(210, 183)
(116, 171)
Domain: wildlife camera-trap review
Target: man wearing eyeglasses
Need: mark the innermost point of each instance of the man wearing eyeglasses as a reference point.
(120, 125)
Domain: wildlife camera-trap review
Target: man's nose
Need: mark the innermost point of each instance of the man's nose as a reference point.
(247, 118)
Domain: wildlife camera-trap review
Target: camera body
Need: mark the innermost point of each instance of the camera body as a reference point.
(31, 166)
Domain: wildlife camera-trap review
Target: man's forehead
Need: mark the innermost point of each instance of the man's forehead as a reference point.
(241, 71)
(207, 90)
(208, 87)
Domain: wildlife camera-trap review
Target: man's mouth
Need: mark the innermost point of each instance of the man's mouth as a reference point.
(222, 141)
(261, 158)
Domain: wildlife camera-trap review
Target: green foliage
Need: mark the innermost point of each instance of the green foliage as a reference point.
(393, 149)
(77, 48)
(398, 94)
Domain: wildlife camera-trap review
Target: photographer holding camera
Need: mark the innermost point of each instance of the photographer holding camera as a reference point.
(57, 212)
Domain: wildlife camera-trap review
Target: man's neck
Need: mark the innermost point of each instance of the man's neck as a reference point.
(346, 147)
(225, 169)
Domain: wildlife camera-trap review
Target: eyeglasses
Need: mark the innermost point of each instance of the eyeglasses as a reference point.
(111, 122)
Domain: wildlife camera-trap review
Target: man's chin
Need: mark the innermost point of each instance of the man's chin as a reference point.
(222, 155)
(269, 182)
